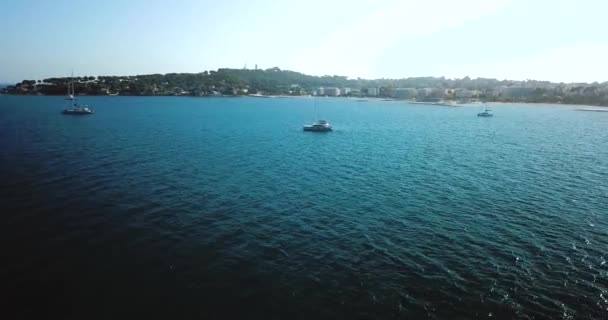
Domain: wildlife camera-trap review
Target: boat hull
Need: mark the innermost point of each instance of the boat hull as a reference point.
(77, 112)
(317, 129)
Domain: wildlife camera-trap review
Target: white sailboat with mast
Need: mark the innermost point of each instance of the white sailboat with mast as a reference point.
(73, 107)
(319, 125)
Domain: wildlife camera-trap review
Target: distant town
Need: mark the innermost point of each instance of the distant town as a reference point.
(274, 81)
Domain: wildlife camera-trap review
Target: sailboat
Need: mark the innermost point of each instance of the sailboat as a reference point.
(485, 112)
(73, 107)
(319, 125)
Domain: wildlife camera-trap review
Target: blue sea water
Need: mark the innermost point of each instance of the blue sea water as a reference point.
(214, 208)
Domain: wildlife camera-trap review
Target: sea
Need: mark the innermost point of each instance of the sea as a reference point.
(224, 208)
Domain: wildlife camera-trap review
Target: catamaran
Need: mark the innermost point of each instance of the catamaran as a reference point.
(319, 125)
(73, 107)
(485, 112)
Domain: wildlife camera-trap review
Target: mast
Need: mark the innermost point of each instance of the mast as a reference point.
(73, 96)
(316, 115)
(70, 96)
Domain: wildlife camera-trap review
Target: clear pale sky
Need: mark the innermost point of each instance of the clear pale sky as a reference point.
(559, 40)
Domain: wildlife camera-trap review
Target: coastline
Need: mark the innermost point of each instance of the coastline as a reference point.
(277, 83)
(603, 108)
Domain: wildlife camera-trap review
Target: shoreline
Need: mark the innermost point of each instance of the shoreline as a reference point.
(365, 99)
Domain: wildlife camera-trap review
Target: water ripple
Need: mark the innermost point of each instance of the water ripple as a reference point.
(201, 205)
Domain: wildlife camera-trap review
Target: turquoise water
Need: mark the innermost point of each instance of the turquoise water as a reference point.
(223, 207)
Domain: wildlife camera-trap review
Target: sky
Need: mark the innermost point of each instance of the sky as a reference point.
(554, 40)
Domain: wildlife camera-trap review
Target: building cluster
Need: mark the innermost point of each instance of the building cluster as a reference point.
(346, 92)
(432, 93)
(398, 93)
(429, 94)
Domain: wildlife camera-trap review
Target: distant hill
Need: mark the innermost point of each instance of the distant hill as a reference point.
(275, 81)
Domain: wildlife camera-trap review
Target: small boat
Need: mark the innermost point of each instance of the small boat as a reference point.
(258, 95)
(485, 113)
(320, 126)
(445, 103)
(73, 107)
(78, 110)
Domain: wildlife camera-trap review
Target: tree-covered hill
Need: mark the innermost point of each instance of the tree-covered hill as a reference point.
(275, 81)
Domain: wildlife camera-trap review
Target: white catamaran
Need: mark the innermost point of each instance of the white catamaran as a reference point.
(320, 125)
(73, 107)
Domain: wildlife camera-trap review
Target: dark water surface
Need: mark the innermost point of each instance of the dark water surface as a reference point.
(172, 208)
